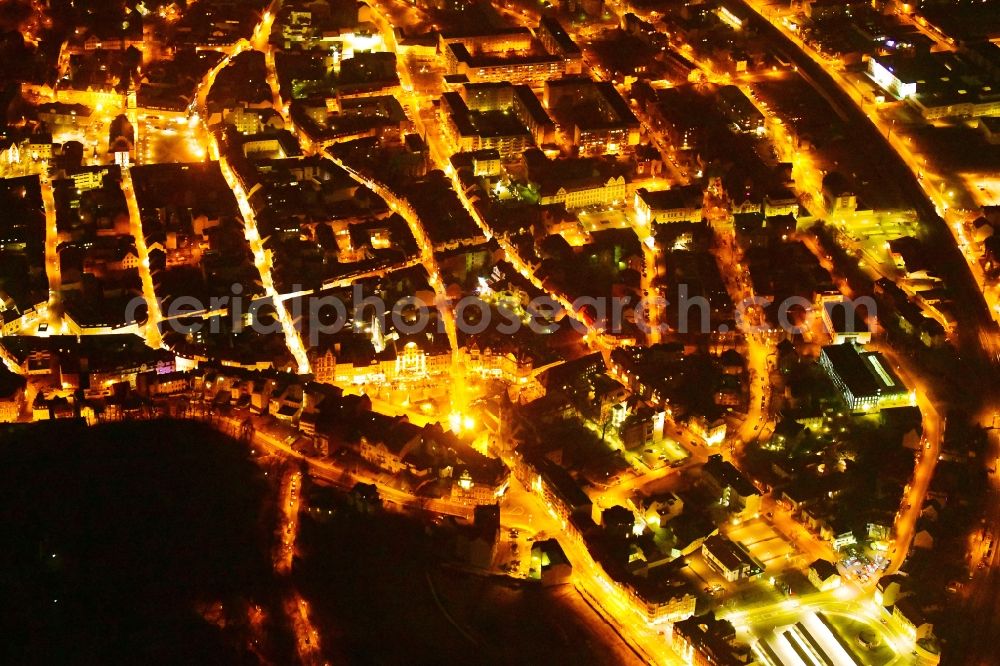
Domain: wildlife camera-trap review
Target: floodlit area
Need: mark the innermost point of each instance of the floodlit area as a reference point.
(985, 188)
(176, 139)
(825, 635)
(571, 291)
(765, 543)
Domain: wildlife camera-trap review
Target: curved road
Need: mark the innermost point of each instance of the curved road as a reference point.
(977, 330)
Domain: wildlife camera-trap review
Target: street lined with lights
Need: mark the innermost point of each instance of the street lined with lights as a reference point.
(727, 475)
(154, 314)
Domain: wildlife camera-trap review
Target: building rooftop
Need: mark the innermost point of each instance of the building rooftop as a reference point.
(727, 475)
(674, 198)
(837, 311)
(824, 569)
(710, 636)
(730, 554)
(562, 39)
(482, 30)
(864, 373)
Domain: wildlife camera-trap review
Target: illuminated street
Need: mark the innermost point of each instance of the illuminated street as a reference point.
(153, 316)
(707, 372)
(52, 267)
(263, 263)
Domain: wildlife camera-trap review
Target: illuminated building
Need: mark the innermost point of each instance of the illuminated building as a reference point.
(324, 366)
(707, 641)
(712, 432)
(911, 618)
(730, 486)
(39, 146)
(843, 322)
(344, 119)
(677, 204)
(939, 85)
(388, 440)
(297, 27)
(153, 384)
(58, 114)
(575, 182)
(489, 56)
(582, 195)
(600, 120)
(838, 196)
(489, 40)
(739, 110)
(730, 18)
(893, 75)
(864, 379)
(549, 563)
(656, 511)
(510, 367)
(89, 178)
(641, 428)
(781, 201)
(270, 145)
(556, 40)
(823, 575)
(253, 121)
(672, 604)
(394, 444)
(52, 406)
(560, 490)
(518, 100)
(394, 363)
(483, 482)
(108, 37)
(483, 163)
(731, 559)
(817, 9)
(500, 116)
(314, 28)
(671, 109)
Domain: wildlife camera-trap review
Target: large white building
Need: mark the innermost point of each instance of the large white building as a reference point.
(674, 205)
(598, 193)
(864, 379)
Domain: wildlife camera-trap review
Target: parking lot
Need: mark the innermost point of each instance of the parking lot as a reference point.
(768, 546)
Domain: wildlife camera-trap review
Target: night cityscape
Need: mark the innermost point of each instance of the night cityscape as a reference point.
(543, 332)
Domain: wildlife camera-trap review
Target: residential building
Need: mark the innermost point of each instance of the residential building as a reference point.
(593, 115)
(501, 116)
(911, 617)
(734, 490)
(823, 575)
(499, 54)
(705, 640)
(584, 194)
(557, 41)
